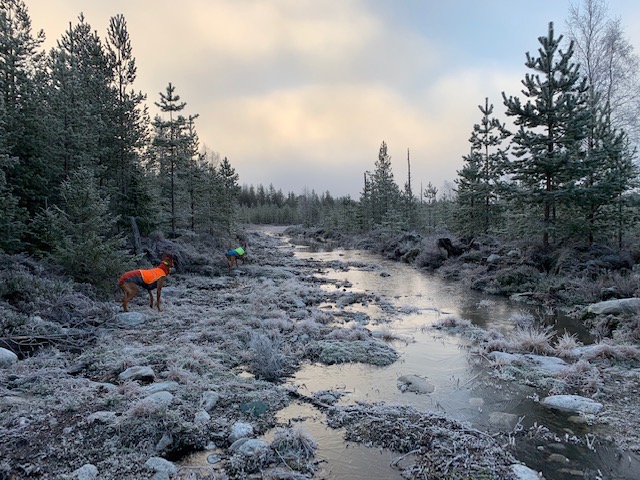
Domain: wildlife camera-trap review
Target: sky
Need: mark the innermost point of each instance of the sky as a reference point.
(300, 94)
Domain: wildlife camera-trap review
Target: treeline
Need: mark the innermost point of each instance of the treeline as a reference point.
(565, 174)
(81, 158)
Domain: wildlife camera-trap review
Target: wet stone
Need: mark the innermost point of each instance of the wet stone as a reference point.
(414, 383)
(503, 421)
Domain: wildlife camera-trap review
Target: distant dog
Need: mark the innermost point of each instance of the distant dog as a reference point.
(233, 256)
(149, 279)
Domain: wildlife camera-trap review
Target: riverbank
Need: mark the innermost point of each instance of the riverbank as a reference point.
(205, 374)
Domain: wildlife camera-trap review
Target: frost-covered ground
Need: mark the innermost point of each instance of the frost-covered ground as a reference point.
(207, 371)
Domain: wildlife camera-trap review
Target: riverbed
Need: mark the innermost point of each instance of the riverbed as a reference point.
(413, 301)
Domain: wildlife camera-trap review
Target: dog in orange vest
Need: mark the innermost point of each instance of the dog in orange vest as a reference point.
(149, 279)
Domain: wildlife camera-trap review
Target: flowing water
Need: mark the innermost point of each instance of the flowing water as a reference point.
(417, 300)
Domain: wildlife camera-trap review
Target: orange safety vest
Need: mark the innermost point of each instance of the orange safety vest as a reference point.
(152, 275)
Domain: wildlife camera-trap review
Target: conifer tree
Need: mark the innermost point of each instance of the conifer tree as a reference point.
(131, 195)
(385, 194)
(229, 191)
(409, 202)
(23, 100)
(12, 216)
(168, 141)
(480, 180)
(553, 125)
(82, 102)
(82, 229)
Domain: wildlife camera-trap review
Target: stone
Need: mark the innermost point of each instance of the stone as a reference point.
(157, 400)
(572, 403)
(130, 319)
(142, 373)
(86, 472)
(102, 416)
(7, 358)
(522, 472)
(240, 430)
(503, 421)
(159, 464)
(161, 387)
(209, 400)
(615, 307)
(201, 417)
(414, 383)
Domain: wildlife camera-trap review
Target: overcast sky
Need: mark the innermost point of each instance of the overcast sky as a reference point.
(301, 93)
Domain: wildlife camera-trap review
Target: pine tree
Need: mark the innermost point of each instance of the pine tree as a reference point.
(480, 180)
(168, 142)
(131, 195)
(553, 126)
(229, 193)
(82, 102)
(385, 194)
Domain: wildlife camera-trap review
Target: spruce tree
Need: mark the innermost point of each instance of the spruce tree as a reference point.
(23, 96)
(82, 238)
(553, 125)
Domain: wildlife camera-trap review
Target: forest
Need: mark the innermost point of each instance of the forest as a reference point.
(546, 208)
(83, 158)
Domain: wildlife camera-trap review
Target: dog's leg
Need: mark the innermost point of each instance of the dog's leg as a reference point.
(160, 284)
(130, 291)
(150, 298)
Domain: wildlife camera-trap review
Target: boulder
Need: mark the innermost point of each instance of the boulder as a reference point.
(159, 464)
(209, 400)
(7, 358)
(86, 472)
(240, 430)
(572, 403)
(615, 307)
(522, 472)
(130, 319)
(414, 383)
(168, 386)
(142, 373)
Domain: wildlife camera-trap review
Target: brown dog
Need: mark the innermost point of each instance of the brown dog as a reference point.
(233, 256)
(149, 279)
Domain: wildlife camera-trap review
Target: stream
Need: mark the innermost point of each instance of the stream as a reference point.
(461, 389)
(407, 303)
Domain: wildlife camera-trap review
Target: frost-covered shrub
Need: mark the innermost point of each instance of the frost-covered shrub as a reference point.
(267, 360)
(523, 319)
(580, 377)
(516, 279)
(309, 328)
(566, 344)
(354, 332)
(533, 339)
(295, 448)
(451, 322)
